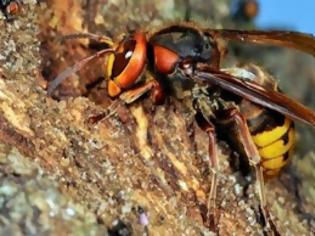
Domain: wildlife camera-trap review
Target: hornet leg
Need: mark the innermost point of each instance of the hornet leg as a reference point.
(209, 128)
(234, 116)
(130, 96)
(154, 86)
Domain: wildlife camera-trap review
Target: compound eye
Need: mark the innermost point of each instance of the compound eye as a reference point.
(125, 66)
(122, 57)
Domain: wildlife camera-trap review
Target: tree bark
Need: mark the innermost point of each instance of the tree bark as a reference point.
(63, 174)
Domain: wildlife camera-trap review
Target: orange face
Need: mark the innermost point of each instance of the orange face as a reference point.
(125, 66)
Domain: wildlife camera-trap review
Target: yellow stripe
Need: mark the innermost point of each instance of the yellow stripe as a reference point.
(274, 163)
(278, 148)
(267, 137)
(109, 66)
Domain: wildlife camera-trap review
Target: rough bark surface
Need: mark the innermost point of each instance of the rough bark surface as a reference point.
(61, 174)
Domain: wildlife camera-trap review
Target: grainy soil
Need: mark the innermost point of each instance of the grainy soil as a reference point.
(62, 174)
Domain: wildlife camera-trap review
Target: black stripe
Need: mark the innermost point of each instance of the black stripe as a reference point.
(265, 121)
(258, 122)
(286, 156)
(285, 137)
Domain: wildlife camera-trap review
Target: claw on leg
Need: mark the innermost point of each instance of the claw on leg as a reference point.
(208, 127)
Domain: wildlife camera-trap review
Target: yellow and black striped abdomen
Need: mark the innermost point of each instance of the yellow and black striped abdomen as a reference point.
(274, 136)
(272, 132)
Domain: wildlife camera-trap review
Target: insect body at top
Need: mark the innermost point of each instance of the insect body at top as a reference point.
(10, 7)
(244, 99)
(245, 10)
